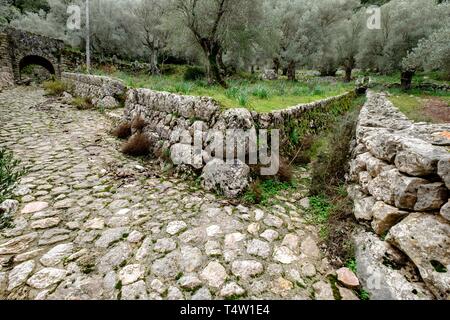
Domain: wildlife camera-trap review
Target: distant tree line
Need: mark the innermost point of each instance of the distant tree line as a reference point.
(231, 35)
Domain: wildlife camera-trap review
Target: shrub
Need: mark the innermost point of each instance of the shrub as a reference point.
(330, 167)
(123, 131)
(137, 145)
(285, 172)
(194, 73)
(242, 99)
(10, 173)
(108, 68)
(261, 92)
(55, 87)
(232, 93)
(83, 103)
(183, 88)
(138, 124)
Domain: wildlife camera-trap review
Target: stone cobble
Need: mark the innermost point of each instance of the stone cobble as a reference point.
(94, 224)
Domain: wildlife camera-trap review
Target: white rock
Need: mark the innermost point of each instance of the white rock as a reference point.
(46, 278)
(284, 255)
(135, 291)
(214, 274)
(165, 245)
(231, 290)
(270, 235)
(176, 227)
(95, 224)
(34, 207)
(247, 268)
(20, 274)
(57, 254)
(213, 231)
(259, 248)
(131, 273)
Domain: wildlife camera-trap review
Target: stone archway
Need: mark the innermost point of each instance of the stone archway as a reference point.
(19, 49)
(36, 60)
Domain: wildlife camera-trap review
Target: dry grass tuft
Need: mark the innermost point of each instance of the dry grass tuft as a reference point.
(285, 172)
(138, 124)
(123, 131)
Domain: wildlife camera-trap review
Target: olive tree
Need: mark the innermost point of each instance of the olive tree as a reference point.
(347, 41)
(432, 53)
(403, 25)
(214, 24)
(149, 17)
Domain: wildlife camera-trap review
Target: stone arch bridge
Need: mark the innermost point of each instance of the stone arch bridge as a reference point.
(19, 49)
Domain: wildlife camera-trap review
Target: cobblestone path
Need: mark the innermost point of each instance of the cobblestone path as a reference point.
(93, 224)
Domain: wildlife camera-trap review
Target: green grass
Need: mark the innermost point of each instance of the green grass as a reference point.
(266, 191)
(248, 92)
(412, 102)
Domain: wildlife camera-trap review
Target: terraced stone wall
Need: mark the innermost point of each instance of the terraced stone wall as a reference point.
(401, 180)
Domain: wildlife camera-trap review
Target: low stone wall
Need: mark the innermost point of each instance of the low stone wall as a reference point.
(173, 121)
(401, 175)
(104, 92)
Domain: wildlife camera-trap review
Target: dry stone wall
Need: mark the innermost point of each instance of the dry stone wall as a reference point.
(174, 120)
(401, 175)
(6, 71)
(103, 92)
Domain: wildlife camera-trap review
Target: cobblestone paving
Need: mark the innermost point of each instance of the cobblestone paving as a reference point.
(94, 224)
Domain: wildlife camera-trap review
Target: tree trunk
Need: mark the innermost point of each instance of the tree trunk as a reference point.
(214, 75)
(291, 71)
(348, 74)
(276, 65)
(406, 81)
(154, 69)
(285, 71)
(223, 68)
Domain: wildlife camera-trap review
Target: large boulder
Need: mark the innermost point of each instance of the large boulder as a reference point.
(417, 157)
(444, 170)
(385, 216)
(396, 189)
(384, 272)
(229, 179)
(425, 239)
(431, 197)
(186, 154)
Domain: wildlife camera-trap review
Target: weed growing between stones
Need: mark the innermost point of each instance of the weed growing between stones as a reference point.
(123, 131)
(137, 145)
(10, 173)
(55, 87)
(331, 207)
(82, 103)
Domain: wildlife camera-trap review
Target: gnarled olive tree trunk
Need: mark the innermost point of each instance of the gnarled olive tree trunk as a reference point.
(406, 79)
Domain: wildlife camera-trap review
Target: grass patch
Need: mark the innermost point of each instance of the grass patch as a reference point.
(10, 173)
(248, 92)
(412, 103)
(82, 103)
(262, 191)
(330, 207)
(55, 87)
